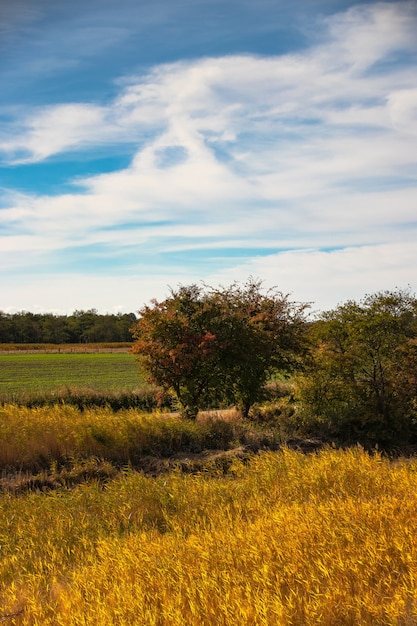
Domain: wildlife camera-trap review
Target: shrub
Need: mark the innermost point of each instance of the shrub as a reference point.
(361, 383)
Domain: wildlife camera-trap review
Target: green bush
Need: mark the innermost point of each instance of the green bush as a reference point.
(361, 382)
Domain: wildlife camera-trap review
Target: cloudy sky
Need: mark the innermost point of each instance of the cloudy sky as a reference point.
(151, 143)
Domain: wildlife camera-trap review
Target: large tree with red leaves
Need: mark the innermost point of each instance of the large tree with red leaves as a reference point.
(219, 345)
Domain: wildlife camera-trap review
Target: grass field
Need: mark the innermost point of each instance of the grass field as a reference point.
(214, 529)
(25, 374)
(328, 539)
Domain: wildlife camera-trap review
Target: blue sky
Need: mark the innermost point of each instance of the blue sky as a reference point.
(146, 144)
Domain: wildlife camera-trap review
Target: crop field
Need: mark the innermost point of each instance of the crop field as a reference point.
(25, 374)
(286, 539)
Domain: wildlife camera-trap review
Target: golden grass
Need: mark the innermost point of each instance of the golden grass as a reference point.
(32, 439)
(289, 539)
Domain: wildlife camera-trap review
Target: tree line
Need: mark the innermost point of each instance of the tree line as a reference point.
(80, 327)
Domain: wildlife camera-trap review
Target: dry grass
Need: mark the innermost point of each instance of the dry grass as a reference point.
(34, 439)
(328, 539)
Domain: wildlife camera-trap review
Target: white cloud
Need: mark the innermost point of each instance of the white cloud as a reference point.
(402, 107)
(51, 293)
(226, 96)
(328, 278)
(306, 151)
(364, 35)
(54, 129)
(322, 278)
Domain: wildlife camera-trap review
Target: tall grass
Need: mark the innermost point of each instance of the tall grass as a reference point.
(145, 397)
(35, 439)
(328, 539)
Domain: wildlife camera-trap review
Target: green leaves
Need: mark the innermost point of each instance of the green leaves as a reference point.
(362, 379)
(216, 346)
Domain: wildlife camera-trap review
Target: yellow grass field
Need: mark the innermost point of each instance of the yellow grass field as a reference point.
(286, 539)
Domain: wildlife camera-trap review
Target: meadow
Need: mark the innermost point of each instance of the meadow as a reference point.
(82, 376)
(34, 440)
(328, 539)
(132, 517)
(47, 372)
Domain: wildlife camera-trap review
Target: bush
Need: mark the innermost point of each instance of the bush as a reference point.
(361, 383)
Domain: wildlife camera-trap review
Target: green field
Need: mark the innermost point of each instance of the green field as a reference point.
(22, 374)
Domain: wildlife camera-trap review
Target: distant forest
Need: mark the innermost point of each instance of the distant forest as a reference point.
(80, 327)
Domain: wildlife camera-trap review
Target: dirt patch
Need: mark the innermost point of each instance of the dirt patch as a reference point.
(209, 462)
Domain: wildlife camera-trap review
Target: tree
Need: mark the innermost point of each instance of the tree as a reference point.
(27, 327)
(7, 331)
(54, 328)
(81, 326)
(219, 345)
(262, 333)
(362, 380)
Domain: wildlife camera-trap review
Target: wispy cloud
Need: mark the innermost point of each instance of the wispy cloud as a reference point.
(310, 151)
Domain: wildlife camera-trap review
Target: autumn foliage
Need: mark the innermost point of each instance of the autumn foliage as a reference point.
(219, 345)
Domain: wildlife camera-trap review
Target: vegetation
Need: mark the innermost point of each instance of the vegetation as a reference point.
(361, 382)
(49, 372)
(219, 346)
(34, 440)
(80, 327)
(68, 348)
(129, 517)
(81, 380)
(328, 539)
(353, 370)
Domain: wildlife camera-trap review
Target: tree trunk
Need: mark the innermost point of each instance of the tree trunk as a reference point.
(190, 412)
